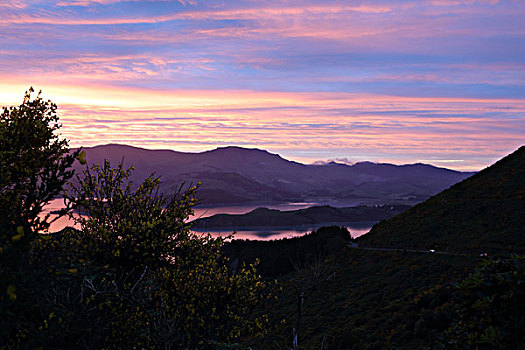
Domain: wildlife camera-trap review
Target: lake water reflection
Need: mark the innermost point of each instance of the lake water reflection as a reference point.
(356, 229)
(264, 234)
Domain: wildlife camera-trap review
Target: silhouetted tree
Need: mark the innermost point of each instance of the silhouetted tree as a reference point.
(34, 166)
(153, 281)
(35, 163)
(134, 276)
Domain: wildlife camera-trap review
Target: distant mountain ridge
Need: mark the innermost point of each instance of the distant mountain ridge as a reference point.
(236, 175)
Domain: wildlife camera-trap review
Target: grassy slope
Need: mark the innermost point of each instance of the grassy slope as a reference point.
(484, 213)
(377, 300)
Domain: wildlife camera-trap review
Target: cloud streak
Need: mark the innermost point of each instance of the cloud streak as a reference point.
(382, 80)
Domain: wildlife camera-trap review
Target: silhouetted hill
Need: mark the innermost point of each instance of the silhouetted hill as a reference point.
(241, 175)
(484, 213)
(263, 217)
(278, 257)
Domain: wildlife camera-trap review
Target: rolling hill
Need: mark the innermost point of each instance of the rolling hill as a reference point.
(264, 217)
(484, 213)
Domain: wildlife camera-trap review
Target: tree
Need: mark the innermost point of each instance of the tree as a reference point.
(134, 276)
(35, 164)
(129, 226)
(151, 281)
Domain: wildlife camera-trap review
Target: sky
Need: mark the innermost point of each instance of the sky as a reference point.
(404, 81)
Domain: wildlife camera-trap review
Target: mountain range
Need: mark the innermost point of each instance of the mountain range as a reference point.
(235, 175)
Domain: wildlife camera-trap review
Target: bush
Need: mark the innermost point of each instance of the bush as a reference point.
(134, 276)
(490, 310)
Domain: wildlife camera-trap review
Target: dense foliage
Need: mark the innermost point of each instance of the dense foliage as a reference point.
(372, 300)
(34, 163)
(491, 313)
(34, 166)
(133, 276)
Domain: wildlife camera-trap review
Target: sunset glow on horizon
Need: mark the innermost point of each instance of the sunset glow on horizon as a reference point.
(439, 82)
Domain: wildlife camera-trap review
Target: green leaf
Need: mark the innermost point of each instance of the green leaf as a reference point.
(82, 157)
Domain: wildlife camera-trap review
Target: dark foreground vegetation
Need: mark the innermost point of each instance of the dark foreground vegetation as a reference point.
(280, 257)
(134, 276)
(361, 299)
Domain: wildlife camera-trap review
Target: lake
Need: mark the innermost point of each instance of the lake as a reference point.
(356, 228)
(264, 234)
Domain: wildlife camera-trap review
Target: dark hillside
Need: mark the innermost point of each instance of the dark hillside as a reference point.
(373, 300)
(263, 217)
(484, 213)
(361, 299)
(278, 257)
(406, 299)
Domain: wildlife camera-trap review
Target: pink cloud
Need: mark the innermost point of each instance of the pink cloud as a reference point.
(463, 2)
(13, 4)
(198, 120)
(103, 2)
(252, 13)
(226, 51)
